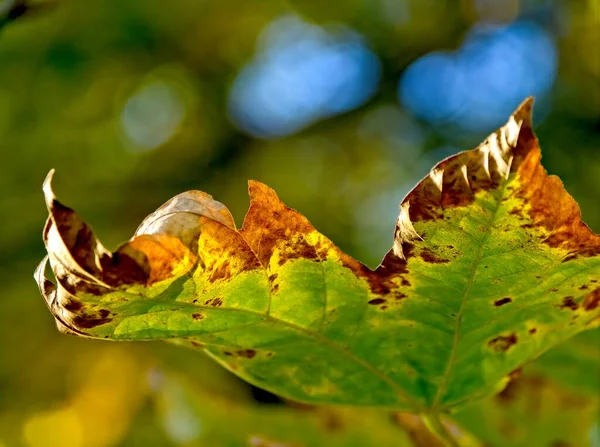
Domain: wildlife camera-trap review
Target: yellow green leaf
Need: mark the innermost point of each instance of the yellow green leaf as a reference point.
(490, 267)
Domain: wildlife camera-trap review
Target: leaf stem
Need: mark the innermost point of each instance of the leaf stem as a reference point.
(434, 424)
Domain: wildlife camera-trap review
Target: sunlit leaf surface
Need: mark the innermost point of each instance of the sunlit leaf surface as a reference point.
(491, 266)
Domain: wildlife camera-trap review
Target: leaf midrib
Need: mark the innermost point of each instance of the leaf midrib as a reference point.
(456, 338)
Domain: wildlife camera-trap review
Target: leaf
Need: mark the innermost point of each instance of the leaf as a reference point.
(421, 435)
(575, 364)
(533, 411)
(182, 406)
(553, 402)
(227, 418)
(490, 267)
(198, 413)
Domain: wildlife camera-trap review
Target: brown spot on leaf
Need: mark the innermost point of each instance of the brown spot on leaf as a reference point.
(532, 330)
(502, 301)
(568, 302)
(384, 279)
(584, 287)
(196, 344)
(592, 300)
(89, 322)
(429, 256)
(197, 316)
(502, 343)
(247, 353)
(376, 301)
(222, 272)
(73, 305)
(516, 212)
(215, 302)
(299, 249)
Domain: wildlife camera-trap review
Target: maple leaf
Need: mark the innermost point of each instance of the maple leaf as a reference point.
(491, 266)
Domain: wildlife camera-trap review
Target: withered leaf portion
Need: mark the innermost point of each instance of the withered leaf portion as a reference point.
(490, 267)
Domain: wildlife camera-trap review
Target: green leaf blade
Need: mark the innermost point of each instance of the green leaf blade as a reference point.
(491, 266)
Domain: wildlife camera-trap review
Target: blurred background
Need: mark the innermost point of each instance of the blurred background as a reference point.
(341, 107)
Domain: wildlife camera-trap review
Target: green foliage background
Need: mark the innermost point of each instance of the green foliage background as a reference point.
(66, 73)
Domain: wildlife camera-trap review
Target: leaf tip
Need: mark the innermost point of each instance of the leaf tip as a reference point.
(257, 189)
(523, 112)
(262, 197)
(47, 188)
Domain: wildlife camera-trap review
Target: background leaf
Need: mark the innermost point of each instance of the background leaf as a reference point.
(554, 402)
(533, 411)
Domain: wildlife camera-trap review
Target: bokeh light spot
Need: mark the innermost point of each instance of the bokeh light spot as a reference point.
(432, 87)
(480, 84)
(301, 74)
(5, 5)
(152, 115)
(178, 417)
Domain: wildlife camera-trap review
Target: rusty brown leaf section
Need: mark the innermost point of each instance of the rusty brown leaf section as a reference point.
(512, 149)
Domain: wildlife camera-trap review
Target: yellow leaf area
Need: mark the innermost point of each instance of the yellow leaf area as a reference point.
(97, 412)
(490, 267)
